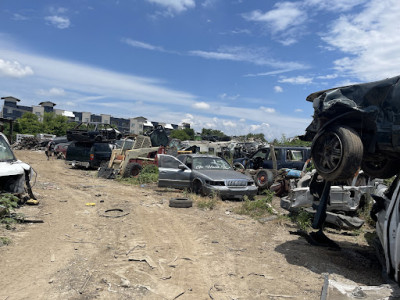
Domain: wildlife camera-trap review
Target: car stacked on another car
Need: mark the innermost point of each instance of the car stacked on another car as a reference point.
(356, 126)
(205, 175)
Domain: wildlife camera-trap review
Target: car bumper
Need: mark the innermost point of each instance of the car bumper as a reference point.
(75, 163)
(231, 192)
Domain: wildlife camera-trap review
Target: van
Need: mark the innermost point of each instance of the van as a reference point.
(88, 155)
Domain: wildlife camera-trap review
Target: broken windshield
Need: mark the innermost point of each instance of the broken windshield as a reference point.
(210, 163)
(5, 152)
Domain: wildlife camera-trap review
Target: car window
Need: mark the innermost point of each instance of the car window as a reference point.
(102, 147)
(261, 153)
(295, 155)
(277, 155)
(210, 163)
(167, 161)
(5, 151)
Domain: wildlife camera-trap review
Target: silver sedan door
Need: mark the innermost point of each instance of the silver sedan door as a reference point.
(172, 172)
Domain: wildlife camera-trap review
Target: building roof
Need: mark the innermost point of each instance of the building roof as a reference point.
(10, 98)
(47, 103)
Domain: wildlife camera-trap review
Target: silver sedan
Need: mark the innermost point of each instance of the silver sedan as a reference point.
(205, 175)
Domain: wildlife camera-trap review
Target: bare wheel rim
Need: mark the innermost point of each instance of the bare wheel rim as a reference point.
(262, 178)
(328, 152)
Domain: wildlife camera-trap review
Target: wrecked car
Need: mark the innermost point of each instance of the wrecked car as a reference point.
(356, 126)
(204, 175)
(93, 132)
(263, 164)
(346, 199)
(88, 155)
(15, 175)
(386, 213)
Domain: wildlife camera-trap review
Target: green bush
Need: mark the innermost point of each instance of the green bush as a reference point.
(148, 174)
(9, 201)
(302, 219)
(257, 208)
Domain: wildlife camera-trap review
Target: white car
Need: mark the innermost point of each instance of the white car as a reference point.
(15, 175)
(386, 212)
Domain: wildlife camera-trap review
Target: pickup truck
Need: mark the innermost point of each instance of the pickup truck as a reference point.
(261, 162)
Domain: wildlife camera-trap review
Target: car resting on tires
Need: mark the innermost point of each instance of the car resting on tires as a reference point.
(204, 175)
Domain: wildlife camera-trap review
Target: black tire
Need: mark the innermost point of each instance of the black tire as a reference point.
(337, 153)
(132, 170)
(197, 188)
(263, 179)
(180, 203)
(383, 169)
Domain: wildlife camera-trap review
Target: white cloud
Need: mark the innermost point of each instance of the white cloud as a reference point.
(18, 17)
(242, 120)
(229, 124)
(138, 44)
(298, 110)
(283, 16)
(278, 89)
(285, 20)
(268, 110)
(330, 76)
(224, 96)
(14, 69)
(297, 80)
(335, 6)
(58, 21)
(175, 5)
(51, 92)
(370, 40)
(201, 105)
(257, 56)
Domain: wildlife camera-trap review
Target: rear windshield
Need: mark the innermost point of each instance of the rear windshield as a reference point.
(5, 152)
(104, 147)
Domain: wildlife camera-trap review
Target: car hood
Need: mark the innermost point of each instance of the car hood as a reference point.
(13, 168)
(223, 174)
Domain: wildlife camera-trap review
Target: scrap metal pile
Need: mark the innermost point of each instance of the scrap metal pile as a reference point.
(28, 143)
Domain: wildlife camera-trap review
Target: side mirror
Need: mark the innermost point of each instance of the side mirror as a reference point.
(182, 167)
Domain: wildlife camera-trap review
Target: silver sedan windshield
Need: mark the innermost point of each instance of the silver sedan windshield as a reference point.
(210, 163)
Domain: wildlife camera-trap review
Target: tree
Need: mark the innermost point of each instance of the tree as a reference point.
(182, 134)
(212, 132)
(28, 124)
(56, 124)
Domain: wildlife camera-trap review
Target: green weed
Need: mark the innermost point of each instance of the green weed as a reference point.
(4, 241)
(302, 219)
(148, 174)
(257, 208)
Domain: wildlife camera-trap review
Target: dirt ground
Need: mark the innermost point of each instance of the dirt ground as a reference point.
(152, 251)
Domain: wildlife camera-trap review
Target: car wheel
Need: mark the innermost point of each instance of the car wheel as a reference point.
(197, 188)
(384, 168)
(263, 179)
(132, 170)
(180, 203)
(337, 153)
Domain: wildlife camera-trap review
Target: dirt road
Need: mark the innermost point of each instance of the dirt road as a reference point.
(153, 251)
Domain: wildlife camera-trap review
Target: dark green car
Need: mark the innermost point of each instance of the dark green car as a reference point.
(88, 155)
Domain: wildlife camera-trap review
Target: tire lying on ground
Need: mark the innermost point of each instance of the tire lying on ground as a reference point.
(132, 170)
(180, 203)
(337, 153)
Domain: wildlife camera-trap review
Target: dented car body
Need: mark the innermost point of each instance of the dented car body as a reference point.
(344, 200)
(356, 126)
(386, 213)
(15, 175)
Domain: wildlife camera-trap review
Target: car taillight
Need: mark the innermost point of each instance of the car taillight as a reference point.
(91, 156)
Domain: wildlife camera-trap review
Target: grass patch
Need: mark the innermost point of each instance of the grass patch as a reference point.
(4, 241)
(257, 208)
(302, 219)
(148, 174)
(208, 203)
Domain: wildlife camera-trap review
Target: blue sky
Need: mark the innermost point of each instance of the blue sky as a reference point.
(239, 66)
